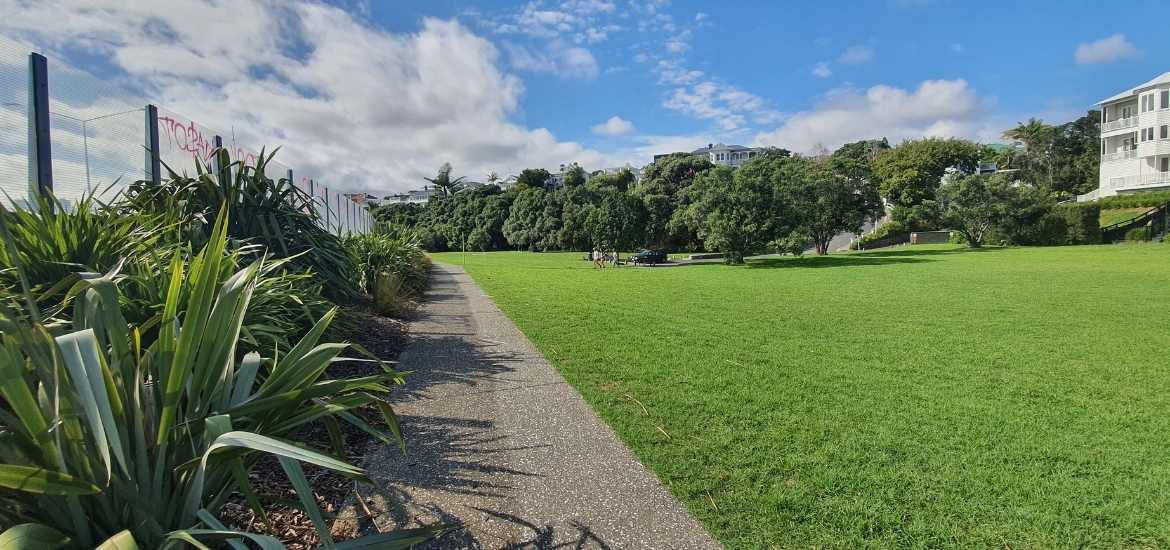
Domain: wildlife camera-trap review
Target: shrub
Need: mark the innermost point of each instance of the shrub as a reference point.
(1135, 200)
(108, 439)
(272, 213)
(54, 242)
(794, 243)
(1081, 222)
(375, 253)
(1138, 234)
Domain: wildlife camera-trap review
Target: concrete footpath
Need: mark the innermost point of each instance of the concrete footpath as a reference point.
(499, 442)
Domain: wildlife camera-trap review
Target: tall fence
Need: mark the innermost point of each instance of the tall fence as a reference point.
(65, 131)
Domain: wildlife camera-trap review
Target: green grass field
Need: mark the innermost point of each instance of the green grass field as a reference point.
(921, 397)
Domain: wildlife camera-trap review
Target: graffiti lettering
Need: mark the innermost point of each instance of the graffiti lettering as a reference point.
(186, 137)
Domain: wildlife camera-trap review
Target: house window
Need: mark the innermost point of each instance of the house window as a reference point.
(1164, 164)
(1165, 99)
(1165, 131)
(1126, 111)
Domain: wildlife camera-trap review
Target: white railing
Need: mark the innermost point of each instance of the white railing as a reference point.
(1144, 180)
(1120, 123)
(1120, 155)
(1157, 178)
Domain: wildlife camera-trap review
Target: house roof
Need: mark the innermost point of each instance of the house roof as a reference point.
(1164, 78)
(720, 147)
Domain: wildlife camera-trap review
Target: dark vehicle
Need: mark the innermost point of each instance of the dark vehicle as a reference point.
(649, 257)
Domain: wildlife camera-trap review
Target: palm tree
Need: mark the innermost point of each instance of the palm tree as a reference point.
(443, 182)
(1039, 142)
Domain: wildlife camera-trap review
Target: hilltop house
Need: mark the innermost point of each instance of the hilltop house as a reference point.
(722, 154)
(1135, 140)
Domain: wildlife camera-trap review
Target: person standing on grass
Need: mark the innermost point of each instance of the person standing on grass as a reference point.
(596, 255)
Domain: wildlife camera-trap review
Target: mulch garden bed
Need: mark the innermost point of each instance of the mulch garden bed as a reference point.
(385, 338)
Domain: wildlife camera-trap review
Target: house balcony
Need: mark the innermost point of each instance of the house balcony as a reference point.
(1119, 155)
(1120, 124)
(1143, 181)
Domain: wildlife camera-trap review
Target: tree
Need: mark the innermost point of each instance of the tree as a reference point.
(911, 172)
(665, 197)
(617, 222)
(492, 177)
(574, 176)
(576, 205)
(491, 219)
(523, 218)
(736, 211)
(973, 205)
(827, 198)
(1038, 141)
(622, 180)
(443, 182)
(532, 178)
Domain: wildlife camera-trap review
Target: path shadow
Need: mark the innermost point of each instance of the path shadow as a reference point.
(818, 262)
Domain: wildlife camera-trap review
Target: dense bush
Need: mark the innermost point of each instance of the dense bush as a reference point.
(272, 213)
(390, 268)
(1135, 200)
(1081, 222)
(159, 435)
(1138, 234)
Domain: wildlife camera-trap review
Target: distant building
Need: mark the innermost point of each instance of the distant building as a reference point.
(722, 154)
(363, 198)
(415, 196)
(1135, 140)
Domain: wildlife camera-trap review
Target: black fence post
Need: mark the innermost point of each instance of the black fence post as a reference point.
(153, 162)
(223, 163)
(40, 154)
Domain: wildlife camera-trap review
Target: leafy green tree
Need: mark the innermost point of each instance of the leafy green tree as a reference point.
(665, 195)
(522, 227)
(532, 178)
(828, 198)
(911, 172)
(617, 222)
(576, 204)
(405, 215)
(491, 218)
(443, 182)
(974, 205)
(622, 180)
(574, 176)
(736, 211)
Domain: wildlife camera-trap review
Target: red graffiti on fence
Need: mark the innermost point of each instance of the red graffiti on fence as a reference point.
(187, 137)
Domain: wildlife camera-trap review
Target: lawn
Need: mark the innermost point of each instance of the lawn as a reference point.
(922, 397)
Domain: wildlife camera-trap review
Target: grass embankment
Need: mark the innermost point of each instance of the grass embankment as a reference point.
(927, 396)
(1115, 215)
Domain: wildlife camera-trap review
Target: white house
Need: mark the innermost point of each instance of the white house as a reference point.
(1135, 140)
(726, 155)
(414, 196)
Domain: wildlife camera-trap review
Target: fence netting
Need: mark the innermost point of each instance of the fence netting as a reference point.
(13, 121)
(97, 132)
(100, 141)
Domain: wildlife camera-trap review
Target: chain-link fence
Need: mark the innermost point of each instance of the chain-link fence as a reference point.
(68, 131)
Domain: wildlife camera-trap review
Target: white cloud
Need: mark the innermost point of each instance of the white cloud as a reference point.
(615, 126)
(559, 59)
(856, 54)
(352, 105)
(701, 16)
(696, 95)
(944, 108)
(1105, 50)
(822, 70)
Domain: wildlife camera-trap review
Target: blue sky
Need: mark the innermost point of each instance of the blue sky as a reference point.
(375, 95)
